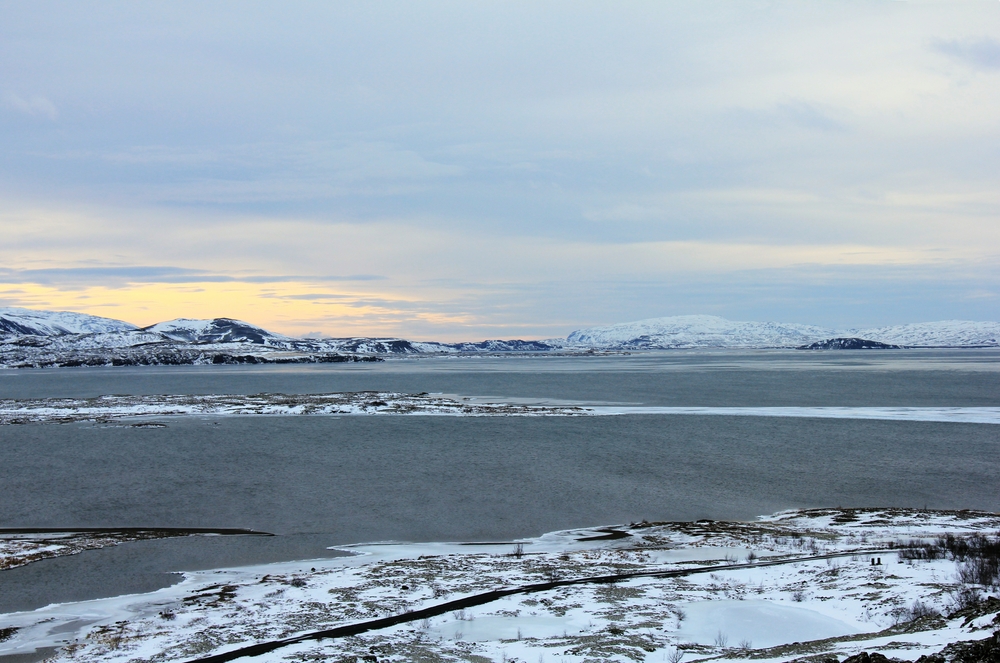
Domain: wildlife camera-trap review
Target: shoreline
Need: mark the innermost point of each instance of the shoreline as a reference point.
(806, 567)
(137, 411)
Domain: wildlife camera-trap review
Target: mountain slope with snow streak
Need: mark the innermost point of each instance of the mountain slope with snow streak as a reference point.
(33, 338)
(29, 322)
(943, 334)
(216, 330)
(709, 331)
(697, 331)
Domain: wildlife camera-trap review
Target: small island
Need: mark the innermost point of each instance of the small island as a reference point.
(849, 344)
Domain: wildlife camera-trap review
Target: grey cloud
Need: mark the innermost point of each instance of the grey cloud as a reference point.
(834, 297)
(308, 297)
(307, 277)
(981, 53)
(808, 116)
(32, 105)
(516, 120)
(265, 172)
(795, 113)
(101, 274)
(156, 274)
(354, 161)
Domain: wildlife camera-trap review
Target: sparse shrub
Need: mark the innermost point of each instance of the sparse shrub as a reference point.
(751, 557)
(977, 556)
(920, 609)
(745, 645)
(518, 551)
(676, 655)
(965, 597)
(297, 582)
(919, 550)
(902, 615)
(721, 639)
(798, 596)
(983, 571)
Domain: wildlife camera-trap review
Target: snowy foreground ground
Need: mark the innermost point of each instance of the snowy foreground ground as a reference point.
(795, 585)
(137, 410)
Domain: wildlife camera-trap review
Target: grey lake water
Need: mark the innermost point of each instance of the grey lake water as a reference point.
(323, 481)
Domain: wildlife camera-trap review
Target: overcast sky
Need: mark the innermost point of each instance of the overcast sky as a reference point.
(480, 170)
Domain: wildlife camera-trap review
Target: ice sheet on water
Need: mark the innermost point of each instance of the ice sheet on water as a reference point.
(760, 623)
(971, 415)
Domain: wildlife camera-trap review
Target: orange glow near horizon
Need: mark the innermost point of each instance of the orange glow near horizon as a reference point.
(290, 308)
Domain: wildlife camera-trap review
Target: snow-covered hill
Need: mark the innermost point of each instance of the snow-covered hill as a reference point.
(515, 345)
(943, 334)
(30, 338)
(25, 322)
(216, 330)
(697, 331)
(709, 331)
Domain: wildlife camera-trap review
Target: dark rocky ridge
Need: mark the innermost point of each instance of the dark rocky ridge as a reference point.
(30, 339)
(220, 330)
(164, 355)
(849, 344)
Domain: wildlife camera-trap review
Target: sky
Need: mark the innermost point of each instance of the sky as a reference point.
(461, 171)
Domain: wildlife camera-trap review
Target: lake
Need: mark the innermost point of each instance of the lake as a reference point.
(322, 481)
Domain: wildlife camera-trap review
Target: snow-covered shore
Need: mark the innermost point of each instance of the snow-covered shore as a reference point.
(784, 587)
(139, 409)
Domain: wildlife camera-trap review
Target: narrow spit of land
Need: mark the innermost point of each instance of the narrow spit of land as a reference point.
(23, 545)
(137, 410)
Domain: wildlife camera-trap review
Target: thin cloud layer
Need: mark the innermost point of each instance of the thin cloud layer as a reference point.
(457, 171)
(981, 53)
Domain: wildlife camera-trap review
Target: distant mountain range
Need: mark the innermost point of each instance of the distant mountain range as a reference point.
(32, 338)
(709, 331)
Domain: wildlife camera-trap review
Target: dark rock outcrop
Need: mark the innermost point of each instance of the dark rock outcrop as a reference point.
(849, 344)
(865, 657)
(974, 651)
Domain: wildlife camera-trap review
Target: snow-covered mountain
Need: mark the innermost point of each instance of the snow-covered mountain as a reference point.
(216, 330)
(30, 338)
(515, 345)
(58, 338)
(709, 331)
(697, 331)
(943, 334)
(29, 322)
